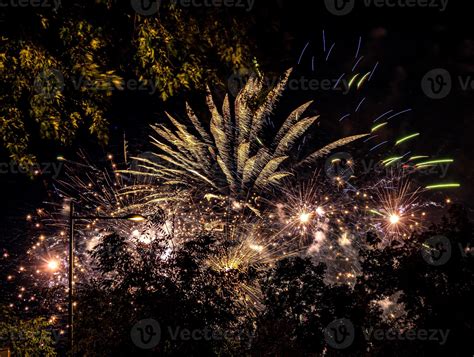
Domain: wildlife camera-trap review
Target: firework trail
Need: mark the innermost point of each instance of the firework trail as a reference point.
(249, 186)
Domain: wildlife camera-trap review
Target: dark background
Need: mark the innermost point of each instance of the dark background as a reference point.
(408, 42)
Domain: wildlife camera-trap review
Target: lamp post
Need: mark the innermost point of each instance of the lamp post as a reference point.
(72, 218)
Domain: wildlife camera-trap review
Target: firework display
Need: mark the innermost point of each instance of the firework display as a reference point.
(259, 189)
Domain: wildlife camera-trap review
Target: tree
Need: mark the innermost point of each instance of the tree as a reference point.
(427, 295)
(25, 337)
(397, 291)
(60, 68)
(181, 293)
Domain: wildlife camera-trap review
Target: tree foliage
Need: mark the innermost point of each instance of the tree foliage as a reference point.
(25, 337)
(183, 292)
(60, 68)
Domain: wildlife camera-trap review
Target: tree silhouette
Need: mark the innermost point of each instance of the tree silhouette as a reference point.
(397, 291)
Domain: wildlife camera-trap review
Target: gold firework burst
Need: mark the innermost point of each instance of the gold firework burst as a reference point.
(232, 156)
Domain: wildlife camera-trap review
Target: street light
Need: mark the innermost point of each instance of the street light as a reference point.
(129, 217)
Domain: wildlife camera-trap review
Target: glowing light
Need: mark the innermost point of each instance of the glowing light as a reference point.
(394, 219)
(344, 240)
(135, 218)
(362, 80)
(391, 160)
(443, 185)
(53, 265)
(376, 212)
(256, 247)
(418, 157)
(434, 162)
(304, 217)
(236, 205)
(353, 79)
(378, 126)
(408, 137)
(320, 211)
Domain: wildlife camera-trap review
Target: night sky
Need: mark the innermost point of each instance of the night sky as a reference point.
(408, 42)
